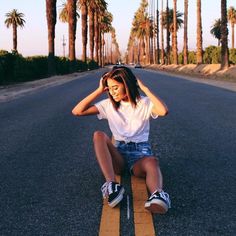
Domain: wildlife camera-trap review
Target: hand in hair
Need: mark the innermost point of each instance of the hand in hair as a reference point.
(141, 84)
(102, 88)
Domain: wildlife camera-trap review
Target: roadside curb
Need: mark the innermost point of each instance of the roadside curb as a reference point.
(198, 79)
(11, 92)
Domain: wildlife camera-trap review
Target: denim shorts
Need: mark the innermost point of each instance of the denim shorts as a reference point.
(133, 152)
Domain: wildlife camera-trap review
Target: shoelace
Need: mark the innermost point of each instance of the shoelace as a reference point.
(106, 189)
(165, 196)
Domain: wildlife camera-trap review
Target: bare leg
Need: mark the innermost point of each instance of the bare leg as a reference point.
(149, 168)
(109, 159)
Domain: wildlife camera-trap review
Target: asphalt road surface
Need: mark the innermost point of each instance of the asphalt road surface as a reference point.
(50, 181)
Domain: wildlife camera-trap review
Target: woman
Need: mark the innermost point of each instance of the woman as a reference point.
(128, 116)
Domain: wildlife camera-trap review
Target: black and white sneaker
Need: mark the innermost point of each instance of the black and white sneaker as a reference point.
(158, 202)
(114, 191)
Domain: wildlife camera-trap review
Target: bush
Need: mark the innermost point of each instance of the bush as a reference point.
(192, 57)
(81, 65)
(181, 58)
(7, 65)
(62, 65)
(16, 68)
(232, 56)
(212, 55)
(92, 65)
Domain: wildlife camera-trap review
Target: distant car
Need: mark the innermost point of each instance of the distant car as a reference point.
(137, 66)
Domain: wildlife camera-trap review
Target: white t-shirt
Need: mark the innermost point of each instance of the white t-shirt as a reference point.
(128, 123)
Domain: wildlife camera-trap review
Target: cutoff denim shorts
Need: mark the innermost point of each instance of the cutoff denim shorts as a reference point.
(133, 152)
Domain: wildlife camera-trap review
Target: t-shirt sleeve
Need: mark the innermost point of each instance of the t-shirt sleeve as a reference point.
(150, 106)
(101, 106)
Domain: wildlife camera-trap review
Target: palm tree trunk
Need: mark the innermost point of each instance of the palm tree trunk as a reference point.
(72, 32)
(96, 31)
(51, 14)
(102, 49)
(147, 46)
(100, 45)
(232, 27)
(167, 34)
(175, 50)
(84, 16)
(14, 37)
(185, 32)
(91, 32)
(224, 36)
(111, 49)
(199, 33)
(162, 36)
(157, 39)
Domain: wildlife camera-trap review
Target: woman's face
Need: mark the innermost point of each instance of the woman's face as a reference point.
(116, 90)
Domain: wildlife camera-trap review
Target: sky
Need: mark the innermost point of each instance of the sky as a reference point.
(32, 39)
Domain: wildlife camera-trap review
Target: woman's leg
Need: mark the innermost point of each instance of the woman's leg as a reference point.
(109, 159)
(159, 201)
(148, 168)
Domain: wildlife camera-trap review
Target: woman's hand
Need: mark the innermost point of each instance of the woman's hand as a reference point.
(101, 87)
(159, 107)
(141, 85)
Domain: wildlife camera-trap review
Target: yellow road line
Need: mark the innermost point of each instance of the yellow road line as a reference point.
(110, 219)
(143, 222)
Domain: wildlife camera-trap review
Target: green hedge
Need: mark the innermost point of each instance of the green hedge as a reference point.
(16, 68)
(232, 56)
(211, 55)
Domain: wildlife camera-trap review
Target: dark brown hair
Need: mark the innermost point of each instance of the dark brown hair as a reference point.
(125, 76)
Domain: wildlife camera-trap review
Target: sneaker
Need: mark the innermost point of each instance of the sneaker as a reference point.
(158, 202)
(114, 192)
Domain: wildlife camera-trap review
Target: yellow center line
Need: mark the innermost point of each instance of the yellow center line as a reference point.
(110, 219)
(143, 222)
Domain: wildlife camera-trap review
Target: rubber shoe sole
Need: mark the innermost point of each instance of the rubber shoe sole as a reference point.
(118, 199)
(156, 206)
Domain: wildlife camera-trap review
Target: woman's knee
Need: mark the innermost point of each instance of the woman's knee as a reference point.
(151, 162)
(99, 136)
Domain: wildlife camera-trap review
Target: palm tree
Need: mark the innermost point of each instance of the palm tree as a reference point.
(185, 50)
(162, 35)
(142, 29)
(175, 49)
(51, 13)
(117, 53)
(169, 24)
(71, 4)
(14, 19)
(100, 11)
(84, 19)
(199, 33)
(224, 36)
(91, 12)
(157, 35)
(63, 16)
(105, 28)
(232, 20)
(216, 30)
(167, 34)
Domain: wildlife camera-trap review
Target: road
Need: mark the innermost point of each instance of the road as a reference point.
(50, 181)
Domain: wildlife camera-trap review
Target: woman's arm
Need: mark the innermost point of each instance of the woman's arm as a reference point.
(85, 107)
(159, 107)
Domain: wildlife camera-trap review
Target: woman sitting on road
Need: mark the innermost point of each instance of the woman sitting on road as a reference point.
(128, 116)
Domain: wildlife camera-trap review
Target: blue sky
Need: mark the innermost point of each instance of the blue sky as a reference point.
(32, 39)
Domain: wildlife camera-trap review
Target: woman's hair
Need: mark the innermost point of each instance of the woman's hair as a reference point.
(125, 76)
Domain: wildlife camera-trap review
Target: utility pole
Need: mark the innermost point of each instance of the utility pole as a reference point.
(63, 45)
(157, 22)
